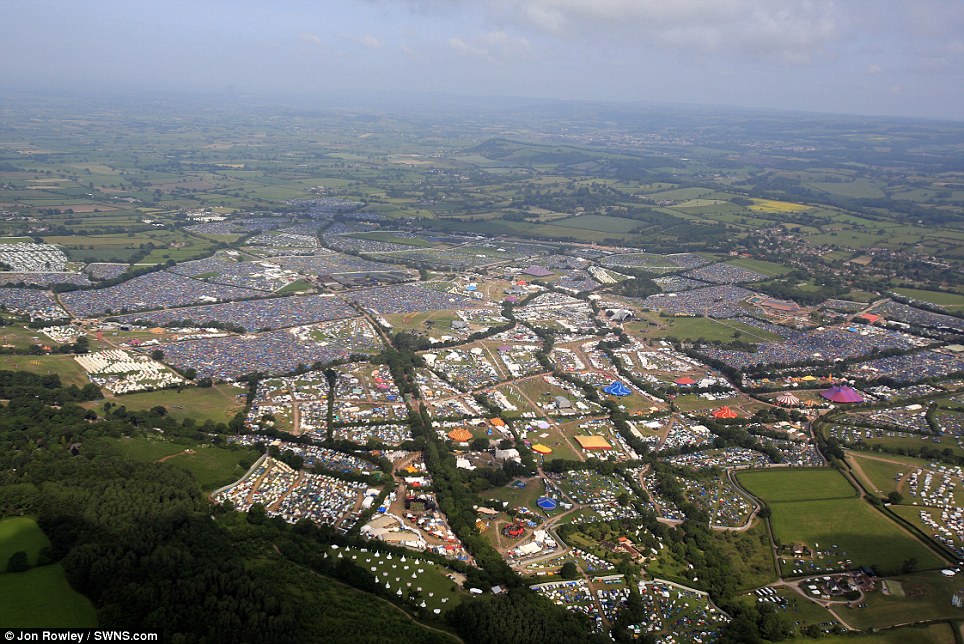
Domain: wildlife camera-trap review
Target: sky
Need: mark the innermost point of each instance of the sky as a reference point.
(886, 57)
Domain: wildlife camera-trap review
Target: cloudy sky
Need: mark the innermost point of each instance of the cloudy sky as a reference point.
(890, 57)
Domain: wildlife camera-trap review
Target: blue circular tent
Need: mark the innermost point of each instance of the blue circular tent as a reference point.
(617, 389)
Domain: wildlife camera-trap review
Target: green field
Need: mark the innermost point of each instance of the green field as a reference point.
(218, 404)
(819, 508)
(211, 466)
(708, 329)
(64, 366)
(785, 485)
(599, 223)
(516, 497)
(41, 597)
(770, 269)
(950, 301)
(931, 634)
(880, 476)
(20, 533)
(926, 596)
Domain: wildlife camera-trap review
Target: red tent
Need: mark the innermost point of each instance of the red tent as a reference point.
(842, 394)
(685, 380)
(724, 412)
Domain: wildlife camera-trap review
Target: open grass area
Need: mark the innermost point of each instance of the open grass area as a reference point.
(218, 404)
(21, 337)
(784, 484)
(949, 301)
(519, 496)
(64, 366)
(819, 508)
(879, 472)
(211, 466)
(926, 596)
(930, 634)
(41, 597)
(20, 533)
(770, 269)
(693, 328)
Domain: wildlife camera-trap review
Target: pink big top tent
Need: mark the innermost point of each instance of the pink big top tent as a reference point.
(842, 394)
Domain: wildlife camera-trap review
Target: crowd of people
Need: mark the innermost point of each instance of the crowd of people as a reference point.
(156, 290)
(714, 301)
(252, 315)
(38, 305)
(409, 298)
(724, 274)
(825, 345)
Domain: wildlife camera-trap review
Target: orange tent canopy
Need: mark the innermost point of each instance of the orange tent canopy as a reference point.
(724, 412)
(460, 435)
(541, 449)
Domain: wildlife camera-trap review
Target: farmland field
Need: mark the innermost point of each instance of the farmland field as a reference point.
(769, 205)
(819, 506)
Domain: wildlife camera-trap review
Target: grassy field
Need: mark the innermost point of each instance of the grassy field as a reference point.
(819, 508)
(770, 269)
(880, 476)
(20, 533)
(926, 596)
(786, 485)
(692, 328)
(433, 578)
(930, 634)
(41, 597)
(516, 497)
(66, 367)
(211, 466)
(949, 301)
(22, 337)
(218, 404)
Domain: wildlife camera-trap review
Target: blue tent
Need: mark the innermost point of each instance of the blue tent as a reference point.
(617, 389)
(547, 504)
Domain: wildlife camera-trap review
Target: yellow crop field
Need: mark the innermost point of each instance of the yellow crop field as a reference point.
(769, 205)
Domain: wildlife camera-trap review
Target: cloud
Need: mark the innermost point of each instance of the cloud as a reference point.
(493, 45)
(371, 42)
(874, 70)
(311, 39)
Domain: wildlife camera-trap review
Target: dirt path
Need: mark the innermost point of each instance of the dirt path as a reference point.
(170, 456)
